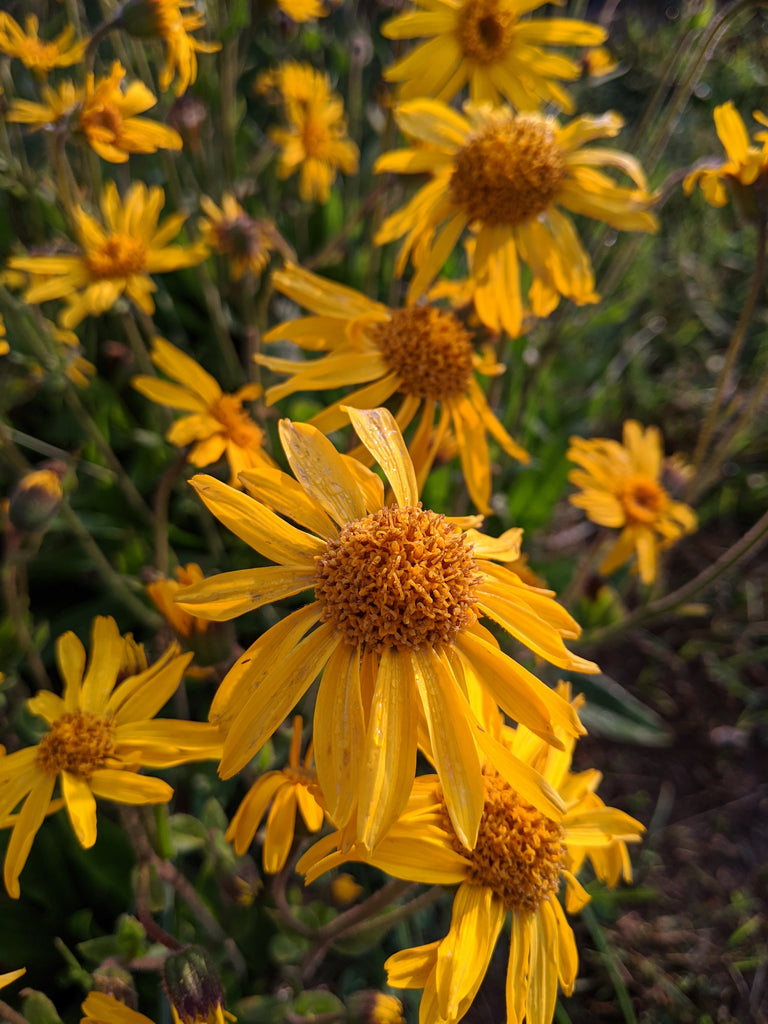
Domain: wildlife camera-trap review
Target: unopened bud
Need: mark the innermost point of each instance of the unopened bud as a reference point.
(194, 988)
(36, 498)
(140, 18)
(116, 982)
(371, 1007)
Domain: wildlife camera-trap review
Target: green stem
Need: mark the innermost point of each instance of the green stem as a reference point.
(732, 353)
(589, 918)
(7, 1013)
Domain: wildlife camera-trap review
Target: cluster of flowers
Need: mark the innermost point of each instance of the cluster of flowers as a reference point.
(395, 630)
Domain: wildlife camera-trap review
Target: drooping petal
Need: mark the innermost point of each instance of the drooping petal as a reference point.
(129, 788)
(81, 808)
(24, 831)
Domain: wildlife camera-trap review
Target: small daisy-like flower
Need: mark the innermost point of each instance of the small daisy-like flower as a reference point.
(229, 231)
(621, 488)
(491, 45)
(116, 258)
(746, 166)
(514, 872)
(422, 354)
(315, 140)
(103, 114)
(99, 734)
(173, 23)
(34, 53)
(162, 593)
(217, 425)
(291, 789)
(507, 177)
(393, 630)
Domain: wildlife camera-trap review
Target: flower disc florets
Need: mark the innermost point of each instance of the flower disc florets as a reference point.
(508, 172)
(400, 577)
(485, 30)
(79, 742)
(428, 348)
(238, 424)
(119, 256)
(643, 499)
(519, 852)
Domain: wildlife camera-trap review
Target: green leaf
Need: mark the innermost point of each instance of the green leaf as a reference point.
(612, 712)
(309, 1004)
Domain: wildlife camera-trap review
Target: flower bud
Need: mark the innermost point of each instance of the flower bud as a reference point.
(194, 988)
(116, 982)
(36, 498)
(139, 18)
(371, 1007)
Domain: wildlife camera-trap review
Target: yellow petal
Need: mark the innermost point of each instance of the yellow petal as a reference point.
(24, 831)
(518, 967)
(233, 593)
(81, 808)
(390, 749)
(129, 788)
(464, 954)
(284, 495)
(99, 1008)
(70, 657)
(380, 434)
(105, 663)
(248, 815)
(281, 824)
(321, 471)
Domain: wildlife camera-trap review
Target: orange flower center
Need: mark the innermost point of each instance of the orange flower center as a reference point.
(79, 742)
(644, 500)
(314, 135)
(237, 424)
(428, 348)
(247, 240)
(519, 852)
(102, 116)
(509, 172)
(485, 30)
(400, 577)
(119, 256)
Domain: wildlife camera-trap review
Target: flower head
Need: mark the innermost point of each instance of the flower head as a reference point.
(103, 113)
(621, 488)
(217, 425)
(746, 168)
(515, 870)
(229, 231)
(423, 354)
(173, 23)
(393, 630)
(194, 988)
(34, 53)
(507, 177)
(315, 138)
(490, 45)
(116, 258)
(99, 734)
(287, 790)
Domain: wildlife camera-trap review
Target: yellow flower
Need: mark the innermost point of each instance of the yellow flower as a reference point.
(515, 870)
(99, 734)
(344, 889)
(287, 790)
(170, 21)
(11, 976)
(621, 488)
(162, 593)
(103, 113)
(393, 629)
(368, 1006)
(218, 424)
(229, 231)
(116, 259)
(507, 176)
(489, 44)
(745, 164)
(421, 353)
(33, 52)
(315, 140)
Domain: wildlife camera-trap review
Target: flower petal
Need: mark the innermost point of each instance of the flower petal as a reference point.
(81, 808)
(380, 434)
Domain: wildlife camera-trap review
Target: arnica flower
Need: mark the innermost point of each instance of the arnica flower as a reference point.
(34, 53)
(315, 140)
(515, 871)
(371, 1007)
(287, 790)
(99, 734)
(621, 488)
(103, 114)
(116, 259)
(173, 23)
(422, 354)
(229, 231)
(490, 45)
(393, 629)
(217, 425)
(507, 176)
(162, 593)
(746, 168)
